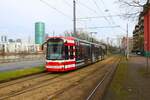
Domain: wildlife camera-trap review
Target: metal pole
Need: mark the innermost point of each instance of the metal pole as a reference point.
(147, 46)
(127, 44)
(74, 16)
(107, 45)
(92, 34)
(53, 33)
(147, 61)
(147, 54)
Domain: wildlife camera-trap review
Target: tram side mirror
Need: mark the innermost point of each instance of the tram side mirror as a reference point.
(43, 45)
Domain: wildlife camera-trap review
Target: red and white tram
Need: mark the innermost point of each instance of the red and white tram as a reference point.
(69, 53)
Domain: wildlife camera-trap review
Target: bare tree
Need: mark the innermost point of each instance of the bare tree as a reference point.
(133, 3)
(131, 8)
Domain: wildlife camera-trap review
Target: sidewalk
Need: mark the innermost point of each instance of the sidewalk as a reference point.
(130, 81)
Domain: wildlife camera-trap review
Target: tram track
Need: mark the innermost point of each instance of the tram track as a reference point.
(99, 85)
(30, 88)
(23, 88)
(43, 83)
(5, 84)
(57, 93)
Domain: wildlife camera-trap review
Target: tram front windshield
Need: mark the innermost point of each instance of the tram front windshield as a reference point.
(55, 49)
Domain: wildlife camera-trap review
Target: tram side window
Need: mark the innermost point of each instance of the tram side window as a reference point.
(88, 51)
(81, 52)
(71, 52)
(66, 52)
(101, 51)
(77, 52)
(97, 51)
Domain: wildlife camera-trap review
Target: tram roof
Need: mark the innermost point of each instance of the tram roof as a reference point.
(73, 38)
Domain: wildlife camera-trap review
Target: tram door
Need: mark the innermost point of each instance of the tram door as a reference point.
(71, 52)
(93, 53)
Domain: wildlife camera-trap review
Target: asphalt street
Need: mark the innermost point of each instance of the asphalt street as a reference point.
(20, 65)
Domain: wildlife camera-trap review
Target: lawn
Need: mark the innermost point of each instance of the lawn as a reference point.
(8, 75)
(116, 90)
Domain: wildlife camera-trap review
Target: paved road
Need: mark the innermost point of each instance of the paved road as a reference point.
(20, 65)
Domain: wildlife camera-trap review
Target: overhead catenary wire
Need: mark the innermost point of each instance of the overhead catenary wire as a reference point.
(117, 15)
(103, 2)
(89, 8)
(96, 12)
(46, 3)
(101, 11)
(101, 27)
(107, 10)
(57, 10)
(62, 13)
(93, 10)
(67, 3)
(79, 3)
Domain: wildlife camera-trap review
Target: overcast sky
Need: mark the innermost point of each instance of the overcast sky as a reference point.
(18, 17)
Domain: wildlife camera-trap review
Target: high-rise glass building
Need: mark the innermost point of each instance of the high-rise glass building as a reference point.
(39, 32)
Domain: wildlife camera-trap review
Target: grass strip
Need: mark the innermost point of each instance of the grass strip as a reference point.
(8, 75)
(116, 89)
